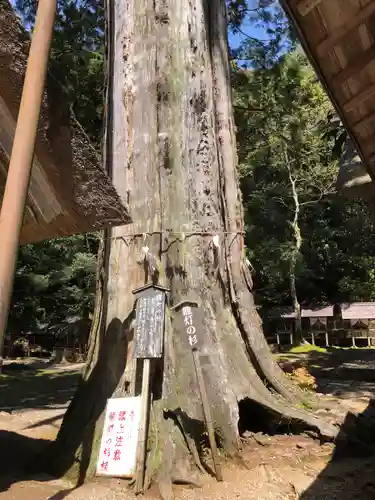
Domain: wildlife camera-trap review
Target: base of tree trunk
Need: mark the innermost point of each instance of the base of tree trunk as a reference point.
(174, 157)
(177, 444)
(59, 357)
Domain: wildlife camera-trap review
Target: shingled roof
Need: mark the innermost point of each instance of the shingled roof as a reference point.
(69, 190)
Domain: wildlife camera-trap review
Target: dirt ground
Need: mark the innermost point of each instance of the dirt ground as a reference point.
(34, 398)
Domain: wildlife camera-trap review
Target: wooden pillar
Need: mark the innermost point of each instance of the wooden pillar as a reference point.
(143, 428)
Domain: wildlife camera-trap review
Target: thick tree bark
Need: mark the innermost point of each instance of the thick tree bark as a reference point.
(174, 159)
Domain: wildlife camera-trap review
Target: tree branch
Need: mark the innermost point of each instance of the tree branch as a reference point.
(235, 106)
(280, 200)
(322, 194)
(249, 37)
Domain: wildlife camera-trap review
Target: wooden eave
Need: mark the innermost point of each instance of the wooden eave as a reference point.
(339, 39)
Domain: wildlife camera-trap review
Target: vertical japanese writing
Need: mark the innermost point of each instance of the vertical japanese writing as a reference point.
(119, 440)
(149, 324)
(189, 326)
(141, 320)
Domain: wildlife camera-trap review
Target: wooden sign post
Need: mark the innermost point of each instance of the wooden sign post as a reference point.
(191, 317)
(148, 344)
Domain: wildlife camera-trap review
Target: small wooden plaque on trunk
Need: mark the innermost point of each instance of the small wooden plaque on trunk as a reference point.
(149, 322)
(189, 321)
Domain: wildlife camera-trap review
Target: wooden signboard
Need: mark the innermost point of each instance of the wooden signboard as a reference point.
(117, 455)
(148, 344)
(190, 321)
(149, 322)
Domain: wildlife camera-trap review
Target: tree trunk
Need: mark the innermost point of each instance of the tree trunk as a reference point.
(172, 141)
(294, 256)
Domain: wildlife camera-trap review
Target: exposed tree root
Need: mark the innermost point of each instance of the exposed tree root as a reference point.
(192, 186)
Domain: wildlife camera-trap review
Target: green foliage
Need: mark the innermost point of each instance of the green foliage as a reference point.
(339, 251)
(264, 31)
(306, 348)
(287, 130)
(77, 57)
(54, 280)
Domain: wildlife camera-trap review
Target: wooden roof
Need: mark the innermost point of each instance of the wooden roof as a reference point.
(347, 310)
(353, 178)
(287, 312)
(282, 312)
(358, 310)
(317, 312)
(339, 38)
(69, 190)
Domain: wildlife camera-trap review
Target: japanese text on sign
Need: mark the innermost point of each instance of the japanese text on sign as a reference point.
(190, 329)
(117, 455)
(149, 324)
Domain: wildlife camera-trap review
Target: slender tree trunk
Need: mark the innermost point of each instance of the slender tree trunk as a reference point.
(174, 159)
(294, 256)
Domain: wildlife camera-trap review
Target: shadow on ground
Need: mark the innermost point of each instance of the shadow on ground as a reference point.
(22, 457)
(31, 389)
(350, 475)
(36, 389)
(338, 371)
(16, 453)
(16, 463)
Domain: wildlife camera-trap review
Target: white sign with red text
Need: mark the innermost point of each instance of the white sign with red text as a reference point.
(118, 448)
